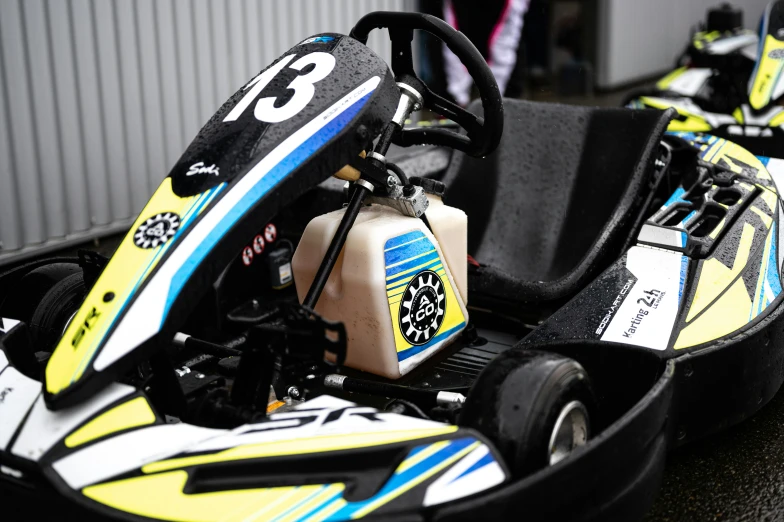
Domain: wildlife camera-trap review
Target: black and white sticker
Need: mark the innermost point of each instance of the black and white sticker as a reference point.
(422, 308)
(157, 230)
(649, 305)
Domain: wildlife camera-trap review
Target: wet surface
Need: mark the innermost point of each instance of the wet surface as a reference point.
(734, 475)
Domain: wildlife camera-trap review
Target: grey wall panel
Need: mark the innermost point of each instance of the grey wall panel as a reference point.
(98, 98)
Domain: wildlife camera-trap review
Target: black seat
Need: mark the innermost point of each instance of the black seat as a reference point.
(555, 203)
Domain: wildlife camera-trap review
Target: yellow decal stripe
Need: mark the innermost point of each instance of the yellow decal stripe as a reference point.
(311, 503)
(766, 219)
(131, 414)
(767, 73)
(715, 277)
(328, 511)
(422, 455)
(665, 82)
(161, 497)
(723, 317)
(128, 268)
(759, 295)
(777, 120)
(415, 481)
(690, 122)
(300, 447)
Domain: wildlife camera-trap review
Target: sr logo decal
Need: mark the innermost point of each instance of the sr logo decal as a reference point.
(157, 230)
(422, 308)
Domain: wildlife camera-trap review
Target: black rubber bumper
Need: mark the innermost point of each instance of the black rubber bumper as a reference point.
(616, 476)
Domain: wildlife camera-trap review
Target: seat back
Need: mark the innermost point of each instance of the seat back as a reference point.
(564, 186)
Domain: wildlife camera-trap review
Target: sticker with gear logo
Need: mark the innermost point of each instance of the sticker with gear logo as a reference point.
(422, 308)
(157, 230)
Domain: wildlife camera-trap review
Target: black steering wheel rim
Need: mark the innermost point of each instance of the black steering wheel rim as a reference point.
(483, 134)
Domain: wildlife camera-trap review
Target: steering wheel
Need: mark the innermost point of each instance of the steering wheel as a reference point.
(482, 133)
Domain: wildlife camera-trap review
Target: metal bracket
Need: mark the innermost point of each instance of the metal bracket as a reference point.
(414, 205)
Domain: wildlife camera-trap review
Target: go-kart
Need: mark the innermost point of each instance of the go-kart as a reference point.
(728, 82)
(293, 328)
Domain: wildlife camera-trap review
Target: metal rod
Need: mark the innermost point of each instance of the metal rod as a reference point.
(426, 398)
(336, 245)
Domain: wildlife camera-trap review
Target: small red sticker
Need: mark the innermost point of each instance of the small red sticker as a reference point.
(258, 244)
(247, 256)
(270, 233)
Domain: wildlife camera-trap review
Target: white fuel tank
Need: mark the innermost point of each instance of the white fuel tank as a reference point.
(398, 288)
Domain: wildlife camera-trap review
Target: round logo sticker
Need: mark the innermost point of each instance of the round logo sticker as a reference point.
(270, 233)
(247, 256)
(157, 230)
(422, 308)
(776, 54)
(258, 244)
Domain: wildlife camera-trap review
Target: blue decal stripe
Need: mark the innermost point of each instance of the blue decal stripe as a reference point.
(185, 221)
(684, 269)
(322, 506)
(405, 238)
(676, 196)
(302, 502)
(481, 463)
(774, 280)
(275, 175)
(399, 282)
(433, 256)
(407, 277)
(687, 218)
(414, 248)
(401, 479)
(405, 354)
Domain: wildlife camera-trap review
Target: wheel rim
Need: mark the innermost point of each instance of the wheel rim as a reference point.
(571, 431)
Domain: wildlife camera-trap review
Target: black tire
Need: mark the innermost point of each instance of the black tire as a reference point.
(55, 309)
(517, 400)
(26, 294)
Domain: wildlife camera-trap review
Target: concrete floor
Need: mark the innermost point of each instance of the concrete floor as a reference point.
(734, 475)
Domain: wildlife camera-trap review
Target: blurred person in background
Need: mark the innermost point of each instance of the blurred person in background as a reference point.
(495, 28)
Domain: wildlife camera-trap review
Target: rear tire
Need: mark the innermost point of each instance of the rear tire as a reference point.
(54, 312)
(26, 294)
(534, 406)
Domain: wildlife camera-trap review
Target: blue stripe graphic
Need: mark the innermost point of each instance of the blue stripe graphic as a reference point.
(410, 250)
(414, 262)
(405, 238)
(264, 185)
(676, 196)
(684, 268)
(403, 280)
(185, 221)
(405, 354)
(481, 463)
(401, 478)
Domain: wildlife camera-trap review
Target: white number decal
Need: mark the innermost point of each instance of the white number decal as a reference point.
(302, 85)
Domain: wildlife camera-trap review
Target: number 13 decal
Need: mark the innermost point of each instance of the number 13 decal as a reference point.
(302, 85)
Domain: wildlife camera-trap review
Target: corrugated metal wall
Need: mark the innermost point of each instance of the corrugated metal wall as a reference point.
(98, 98)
